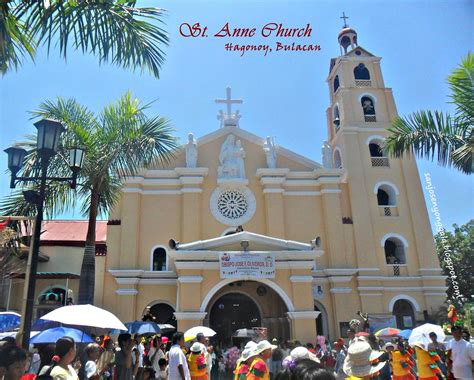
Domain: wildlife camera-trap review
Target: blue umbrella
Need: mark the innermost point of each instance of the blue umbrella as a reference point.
(405, 333)
(9, 321)
(140, 328)
(52, 335)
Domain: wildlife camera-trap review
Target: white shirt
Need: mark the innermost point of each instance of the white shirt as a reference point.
(462, 354)
(175, 358)
(159, 355)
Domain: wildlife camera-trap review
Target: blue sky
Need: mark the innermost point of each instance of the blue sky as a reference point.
(285, 94)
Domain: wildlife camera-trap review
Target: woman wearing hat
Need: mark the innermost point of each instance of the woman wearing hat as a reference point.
(258, 370)
(426, 363)
(197, 363)
(362, 362)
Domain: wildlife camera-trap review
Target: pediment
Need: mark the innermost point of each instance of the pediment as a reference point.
(364, 53)
(256, 242)
(286, 155)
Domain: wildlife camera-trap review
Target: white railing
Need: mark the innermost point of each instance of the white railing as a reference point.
(388, 210)
(363, 83)
(380, 161)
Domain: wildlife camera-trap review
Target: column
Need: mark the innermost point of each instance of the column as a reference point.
(303, 325)
(126, 303)
(130, 223)
(188, 319)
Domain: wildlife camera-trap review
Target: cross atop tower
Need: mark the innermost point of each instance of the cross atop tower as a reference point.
(344, 17)
(229, 118)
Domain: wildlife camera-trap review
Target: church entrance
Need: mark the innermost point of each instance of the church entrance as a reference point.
(247, 305)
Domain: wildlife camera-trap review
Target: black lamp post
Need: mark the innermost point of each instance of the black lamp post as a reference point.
(49, 133)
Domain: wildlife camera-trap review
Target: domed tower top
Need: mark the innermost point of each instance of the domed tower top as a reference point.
(347, 36)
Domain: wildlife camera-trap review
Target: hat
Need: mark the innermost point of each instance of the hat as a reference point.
(164, 339)
(250, 344)
(339, 343)
(246, 355)
(300, 353)
(389, 344)
(361, 360)
(196, 347)
(274, 341)
(262, 346)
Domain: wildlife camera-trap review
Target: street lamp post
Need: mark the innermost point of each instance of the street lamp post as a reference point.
(49, 133)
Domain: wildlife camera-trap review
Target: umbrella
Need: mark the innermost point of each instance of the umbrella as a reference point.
(166, 327)
(140, 328)
(193, 331)
(387, 332)
(421, 334)
(9, 320)
(244, 333)
(405, 333)
(52, 335)
(85, 315)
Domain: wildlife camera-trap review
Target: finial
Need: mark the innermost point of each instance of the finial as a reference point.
(344, 17)
(228, 118)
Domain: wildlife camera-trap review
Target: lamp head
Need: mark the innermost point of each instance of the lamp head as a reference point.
(49, 133)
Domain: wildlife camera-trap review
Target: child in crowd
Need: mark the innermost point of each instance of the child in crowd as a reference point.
(163, 372)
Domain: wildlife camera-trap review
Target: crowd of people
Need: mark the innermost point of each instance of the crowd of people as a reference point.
(142, 358)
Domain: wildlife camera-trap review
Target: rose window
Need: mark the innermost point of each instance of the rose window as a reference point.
(232, 204)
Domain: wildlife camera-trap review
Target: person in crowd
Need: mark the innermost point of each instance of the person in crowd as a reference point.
(140, 348)
(12, 362)
(204, 342)
(402, 363)
(177, 363)
(149, 374)
(303, 364)
(35, 363)
(46, 353)
(156, 353)
(277, 358)
(372, 339)
(340, 356)
(163, 373)
(221, 367)
(351, 335)
(197, 362)
(440, 349)
(123, 358)
(426, 362)
(466, 335)
(242, 368)
(386, 371)
(258, 368)
(461, 354)
(362, 362)
(104, 364)
(64, 355)
(91, 371)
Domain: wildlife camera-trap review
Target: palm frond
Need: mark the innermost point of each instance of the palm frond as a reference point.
(115, 31)
(428, 134)
(461, 82)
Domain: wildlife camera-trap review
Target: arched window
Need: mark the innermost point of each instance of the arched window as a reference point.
(386, 195)
(404, 314)
(361, 72)
(337, 160)
(375, 150)
(336, 83)
(394, 251)
(335, 117)
(160, 313)
(368, 107)
(159, 259)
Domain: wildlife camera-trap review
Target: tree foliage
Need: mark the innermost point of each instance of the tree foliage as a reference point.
(456, 254)
(433, 134)
(115, 31)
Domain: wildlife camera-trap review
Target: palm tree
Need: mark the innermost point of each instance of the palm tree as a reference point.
(450, 137)
(119, 142)
(113, 30)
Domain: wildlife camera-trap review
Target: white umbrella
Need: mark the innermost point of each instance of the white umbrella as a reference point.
(193, 331)
(85, 315)
(421, 334)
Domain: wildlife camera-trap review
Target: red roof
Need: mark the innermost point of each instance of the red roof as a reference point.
(72, 231)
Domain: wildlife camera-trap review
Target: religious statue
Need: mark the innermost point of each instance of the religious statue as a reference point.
(231, 159)
(270, 152)
(327, 161)
(191, 152)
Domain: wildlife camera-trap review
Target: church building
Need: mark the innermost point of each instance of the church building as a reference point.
(239, 232)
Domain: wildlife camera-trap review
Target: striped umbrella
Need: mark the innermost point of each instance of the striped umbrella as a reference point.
(387, 332)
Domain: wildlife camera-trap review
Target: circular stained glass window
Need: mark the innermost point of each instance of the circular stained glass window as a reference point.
(232, 206)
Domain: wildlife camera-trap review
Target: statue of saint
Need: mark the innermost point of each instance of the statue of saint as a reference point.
(191, 152)
(326, 150)
(270, 152)
(231, 159)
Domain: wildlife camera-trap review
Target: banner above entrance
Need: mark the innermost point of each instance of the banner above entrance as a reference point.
(245, 264)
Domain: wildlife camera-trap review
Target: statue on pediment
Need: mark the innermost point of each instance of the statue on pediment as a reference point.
(191, 152)
(231, 159)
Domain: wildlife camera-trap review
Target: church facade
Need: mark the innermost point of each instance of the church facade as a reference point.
(238, 232)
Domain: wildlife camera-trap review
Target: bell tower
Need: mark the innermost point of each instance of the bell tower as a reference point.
(391, 230)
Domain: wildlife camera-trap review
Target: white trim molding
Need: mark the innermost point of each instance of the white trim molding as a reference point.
(372, 96)
(374, 137)
(190, 279)
(371, 294)
(394, 235)
(296, 315)
(296, 278)
(189, 315)
(340, 290)
(406, 298)
(126, 292)
(390, 184)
